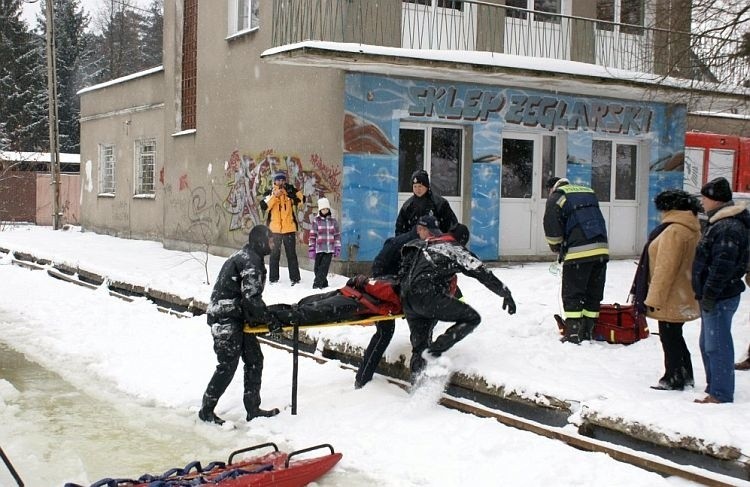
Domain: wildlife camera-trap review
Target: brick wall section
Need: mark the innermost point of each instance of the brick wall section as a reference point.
(18, 196)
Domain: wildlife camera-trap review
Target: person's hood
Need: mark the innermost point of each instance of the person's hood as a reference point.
(685, 218)
(258, 240)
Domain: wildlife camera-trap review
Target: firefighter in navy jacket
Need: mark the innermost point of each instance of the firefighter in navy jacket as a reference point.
(236, 299)
(574, 228)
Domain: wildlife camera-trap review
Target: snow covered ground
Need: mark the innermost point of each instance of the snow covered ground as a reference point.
(128, 353)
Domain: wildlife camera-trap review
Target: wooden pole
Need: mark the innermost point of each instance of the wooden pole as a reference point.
(54, 139)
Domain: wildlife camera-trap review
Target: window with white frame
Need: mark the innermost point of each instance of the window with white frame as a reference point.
(243, 16)
(106, 169)
(145, 151)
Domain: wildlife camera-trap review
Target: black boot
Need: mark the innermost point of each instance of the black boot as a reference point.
(587, 328)
(207, 411)
(442, 344)
(572, 331)
(262, 413)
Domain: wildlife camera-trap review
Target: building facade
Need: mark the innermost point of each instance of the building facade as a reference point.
(349, 97)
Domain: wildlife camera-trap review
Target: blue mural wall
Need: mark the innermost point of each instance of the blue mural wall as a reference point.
(375, 105)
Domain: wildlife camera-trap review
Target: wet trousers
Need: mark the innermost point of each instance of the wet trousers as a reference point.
(231, 344)
(423, 310)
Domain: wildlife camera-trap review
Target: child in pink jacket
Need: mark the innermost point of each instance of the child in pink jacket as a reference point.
(324, 242)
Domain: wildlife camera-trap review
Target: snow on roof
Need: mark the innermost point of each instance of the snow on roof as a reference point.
(38, 157)
(121, 80)
(738, 116)
(485, 58)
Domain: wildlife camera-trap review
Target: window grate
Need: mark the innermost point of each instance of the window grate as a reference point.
(189, 63)
(106, 168)
(146, 153)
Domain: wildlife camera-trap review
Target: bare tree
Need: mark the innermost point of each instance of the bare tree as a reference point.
(703, 45)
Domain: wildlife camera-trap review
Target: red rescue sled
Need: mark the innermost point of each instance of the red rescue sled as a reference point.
(277, 469)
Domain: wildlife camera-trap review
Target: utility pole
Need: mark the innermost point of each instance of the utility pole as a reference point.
(54, 140)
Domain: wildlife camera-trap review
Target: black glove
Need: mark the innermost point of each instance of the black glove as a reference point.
(274, 325)
(708, 304)
(357, 282)
(508, 304)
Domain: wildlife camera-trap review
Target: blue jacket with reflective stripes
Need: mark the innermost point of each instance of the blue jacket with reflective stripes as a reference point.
(574, 226)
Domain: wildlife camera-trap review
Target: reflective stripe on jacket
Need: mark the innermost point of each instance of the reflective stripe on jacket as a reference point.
(574, 222)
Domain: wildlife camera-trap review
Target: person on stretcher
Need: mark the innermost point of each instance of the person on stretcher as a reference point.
(360, 298)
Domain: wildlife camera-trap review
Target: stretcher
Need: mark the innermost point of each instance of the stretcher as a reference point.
(366, 321)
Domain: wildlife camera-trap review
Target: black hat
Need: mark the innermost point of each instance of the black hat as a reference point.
(420, 176)
(279, 175)
(461, 233)
(428, 221)
(718, 190)
(258, 239)
(677, 199)
(554, 180)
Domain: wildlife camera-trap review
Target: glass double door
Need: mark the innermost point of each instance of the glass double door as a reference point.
(528, 160)
(439, 151)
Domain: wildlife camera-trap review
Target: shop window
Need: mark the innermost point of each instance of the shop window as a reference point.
(613, 165)
(625, 171)
(145, 151)
(106, 169)
(437, 150)
(518, 167)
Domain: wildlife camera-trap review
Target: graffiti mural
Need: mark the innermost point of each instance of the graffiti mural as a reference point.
(248, 177)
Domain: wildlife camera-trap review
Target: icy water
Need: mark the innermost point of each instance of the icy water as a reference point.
(54, 433)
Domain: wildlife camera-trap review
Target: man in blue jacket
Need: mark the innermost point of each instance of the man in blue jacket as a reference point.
(720, 263)
(575, 229)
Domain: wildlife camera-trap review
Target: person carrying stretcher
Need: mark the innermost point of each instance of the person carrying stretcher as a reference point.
(360, 298)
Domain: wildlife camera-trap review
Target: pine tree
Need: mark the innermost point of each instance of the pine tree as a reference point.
(117, 47)
(22, 84)
(152, 35)
(71, 55)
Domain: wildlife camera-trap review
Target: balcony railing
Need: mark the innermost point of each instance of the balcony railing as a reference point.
(473, 25)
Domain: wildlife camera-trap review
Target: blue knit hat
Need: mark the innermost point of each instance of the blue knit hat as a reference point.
(279, 175)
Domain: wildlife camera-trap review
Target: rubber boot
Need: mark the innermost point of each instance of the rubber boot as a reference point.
(572, 332)
(452, 335)
(262, 413)
(207, 411)
(587, 328)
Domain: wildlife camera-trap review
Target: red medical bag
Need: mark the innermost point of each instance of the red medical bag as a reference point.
(620, 323)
